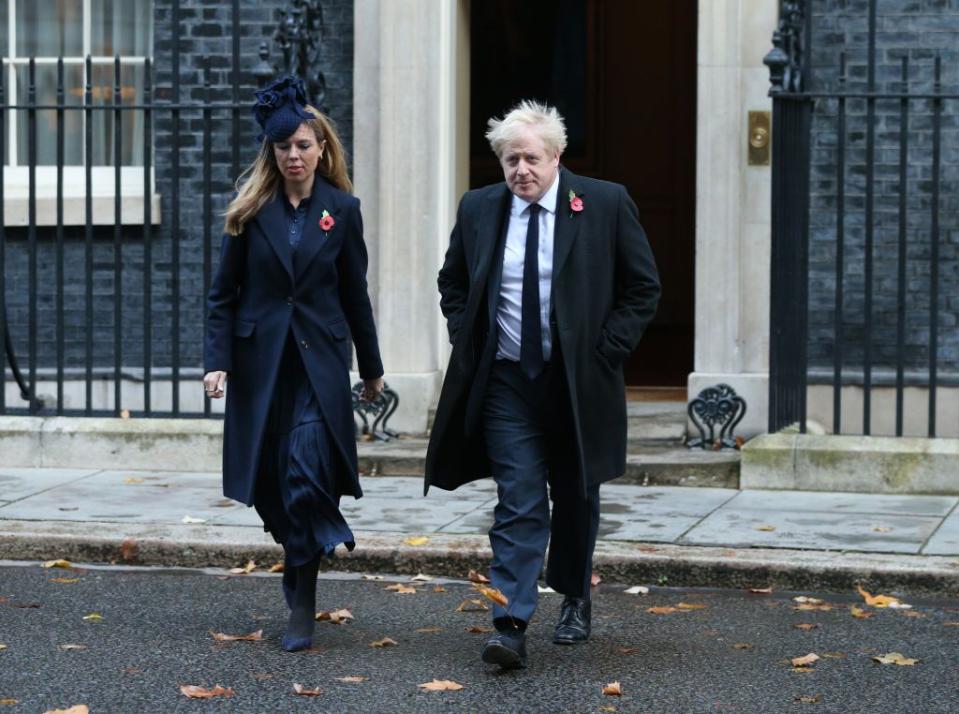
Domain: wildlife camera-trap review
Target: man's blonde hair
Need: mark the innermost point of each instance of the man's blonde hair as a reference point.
(528, 113)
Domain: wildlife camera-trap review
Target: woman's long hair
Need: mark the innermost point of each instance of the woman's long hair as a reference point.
(259, 182)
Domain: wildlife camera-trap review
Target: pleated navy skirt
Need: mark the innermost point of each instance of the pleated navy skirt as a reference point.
(296, 482)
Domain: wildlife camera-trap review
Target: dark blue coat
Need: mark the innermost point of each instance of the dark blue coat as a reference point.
(262, 291)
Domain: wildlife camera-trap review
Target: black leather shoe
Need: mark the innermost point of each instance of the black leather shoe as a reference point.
(507, 649)
(574, 621)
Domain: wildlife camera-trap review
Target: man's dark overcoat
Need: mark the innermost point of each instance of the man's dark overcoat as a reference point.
(263, 291)
(604, 293)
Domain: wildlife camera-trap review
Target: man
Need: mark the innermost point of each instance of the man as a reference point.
(547, 286)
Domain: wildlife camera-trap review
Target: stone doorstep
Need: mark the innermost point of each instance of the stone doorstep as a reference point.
(858, 464)
(454, 555)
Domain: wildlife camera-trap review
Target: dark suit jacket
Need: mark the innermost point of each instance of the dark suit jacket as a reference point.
(605, 291)
(262, 292)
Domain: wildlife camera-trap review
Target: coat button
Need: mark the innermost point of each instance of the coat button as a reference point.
(289, 299)
(305, 345)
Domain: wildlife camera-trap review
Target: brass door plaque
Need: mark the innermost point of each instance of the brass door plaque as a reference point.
(759, 138)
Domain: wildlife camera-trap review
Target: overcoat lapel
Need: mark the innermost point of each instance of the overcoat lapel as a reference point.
(491, 233)
(272, 219)
(315, 238)
(567, 222)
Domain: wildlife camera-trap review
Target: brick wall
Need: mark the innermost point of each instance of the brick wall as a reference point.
(205, 32)
(919, 30)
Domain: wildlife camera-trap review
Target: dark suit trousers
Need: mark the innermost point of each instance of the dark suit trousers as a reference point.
(530, 442)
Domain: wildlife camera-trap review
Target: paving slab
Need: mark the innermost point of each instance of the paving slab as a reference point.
(17, 483)
(819, 531)
(896, 505)
(945, 541)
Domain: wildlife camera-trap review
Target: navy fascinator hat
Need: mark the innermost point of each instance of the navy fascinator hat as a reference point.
(281, 108)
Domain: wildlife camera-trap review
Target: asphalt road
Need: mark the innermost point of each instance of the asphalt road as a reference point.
(730, 656)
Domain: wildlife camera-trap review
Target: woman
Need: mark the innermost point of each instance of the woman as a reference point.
(289, 291)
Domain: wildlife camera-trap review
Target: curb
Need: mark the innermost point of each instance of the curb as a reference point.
(454, 555)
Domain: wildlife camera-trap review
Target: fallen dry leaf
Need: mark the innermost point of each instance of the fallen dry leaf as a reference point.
(860, 614)
(808, 607)
(334, 617)
(276, 568)
(805, 626)
(246, 569)
(540, 589)
(595, 580)
(802, 670)
(607, 709)
(627, 650)
(441, 685)
(492, 594)
(882, 529)
(475, 577)
(912, 613)
(950, 624)
(193, 691)
(130, 480)
(65, 581)
(662, 610)
(429, 630)
(833, 655)
(77, 709)
(743, 646)
(354, 679)
(477, 630)
(472, 605)
(2, 646)
(305, 691)
(373, 577)
(129, 549)
(252, 637)
(766, 528)
(421, 578)
(882, 600)
(25, 605)
(70, 648)
(60, 563)
(895, 658)
(805, 660)
(385, 642)
(190, 519)
(130, 670)
(809, 699)
(804, 600)
(9, 702)
(93, 617)
(761, 591)
(417, 540)
(637, 590)
(691, 606)
(401, 589)
(613, 689)
(439, 589)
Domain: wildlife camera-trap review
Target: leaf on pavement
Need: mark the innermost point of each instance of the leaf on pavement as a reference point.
(477, 630)
(2, 647)
(662, 610)
(540, 589)
(59, 563)
(805, 626)
(766, 528)
(401, 589)
(595, 579)
(93, 617)
(472, 605)
(950, 624)
(441, 685)
(809, 698)
(130, 480)
(429, 630)
(882, 600)
(385, 642)
(252, 637)
(65, 581)
(882, 529)
(417, 540)
(306, 691)
(129, 549)
(627, 650)
(439, 589)
(895, 658)
(276, 568)
(354, 679)
(637, 590)
(834, 655)
(246, 569)
(475, 577)
(421, 578)
(372, 577)
(193, 691)
(613, 689)
(743, 646)
(860, 614)
(76, 709)
(809, 607)
(691, 606)
(607, 709)
(761, 591)
(805, 600)
(492, 594)
(805, 660)
(9, 702)
(70, 648)
(334, 617)
(191, 520)
(912, 613)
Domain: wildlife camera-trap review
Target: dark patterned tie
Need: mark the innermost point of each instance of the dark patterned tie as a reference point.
(531, 345)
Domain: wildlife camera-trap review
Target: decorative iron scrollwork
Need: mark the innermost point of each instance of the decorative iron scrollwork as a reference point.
(379, 410)
(298, 38)
(785, 59)
(716, 406)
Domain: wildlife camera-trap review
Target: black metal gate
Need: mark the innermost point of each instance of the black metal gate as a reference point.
(857, 182)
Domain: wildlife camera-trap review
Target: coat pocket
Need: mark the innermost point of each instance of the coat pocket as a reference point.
(243, 328)
(338, 329)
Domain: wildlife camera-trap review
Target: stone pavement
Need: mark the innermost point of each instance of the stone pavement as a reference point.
(695, 536)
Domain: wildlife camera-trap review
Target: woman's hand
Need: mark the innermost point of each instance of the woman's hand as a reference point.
(372, 388)
(214, 384)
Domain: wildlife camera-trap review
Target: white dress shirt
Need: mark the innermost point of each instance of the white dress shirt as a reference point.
(509, 308)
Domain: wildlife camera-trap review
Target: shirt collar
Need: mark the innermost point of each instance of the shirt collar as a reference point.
(547, 202)
(302, 207)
